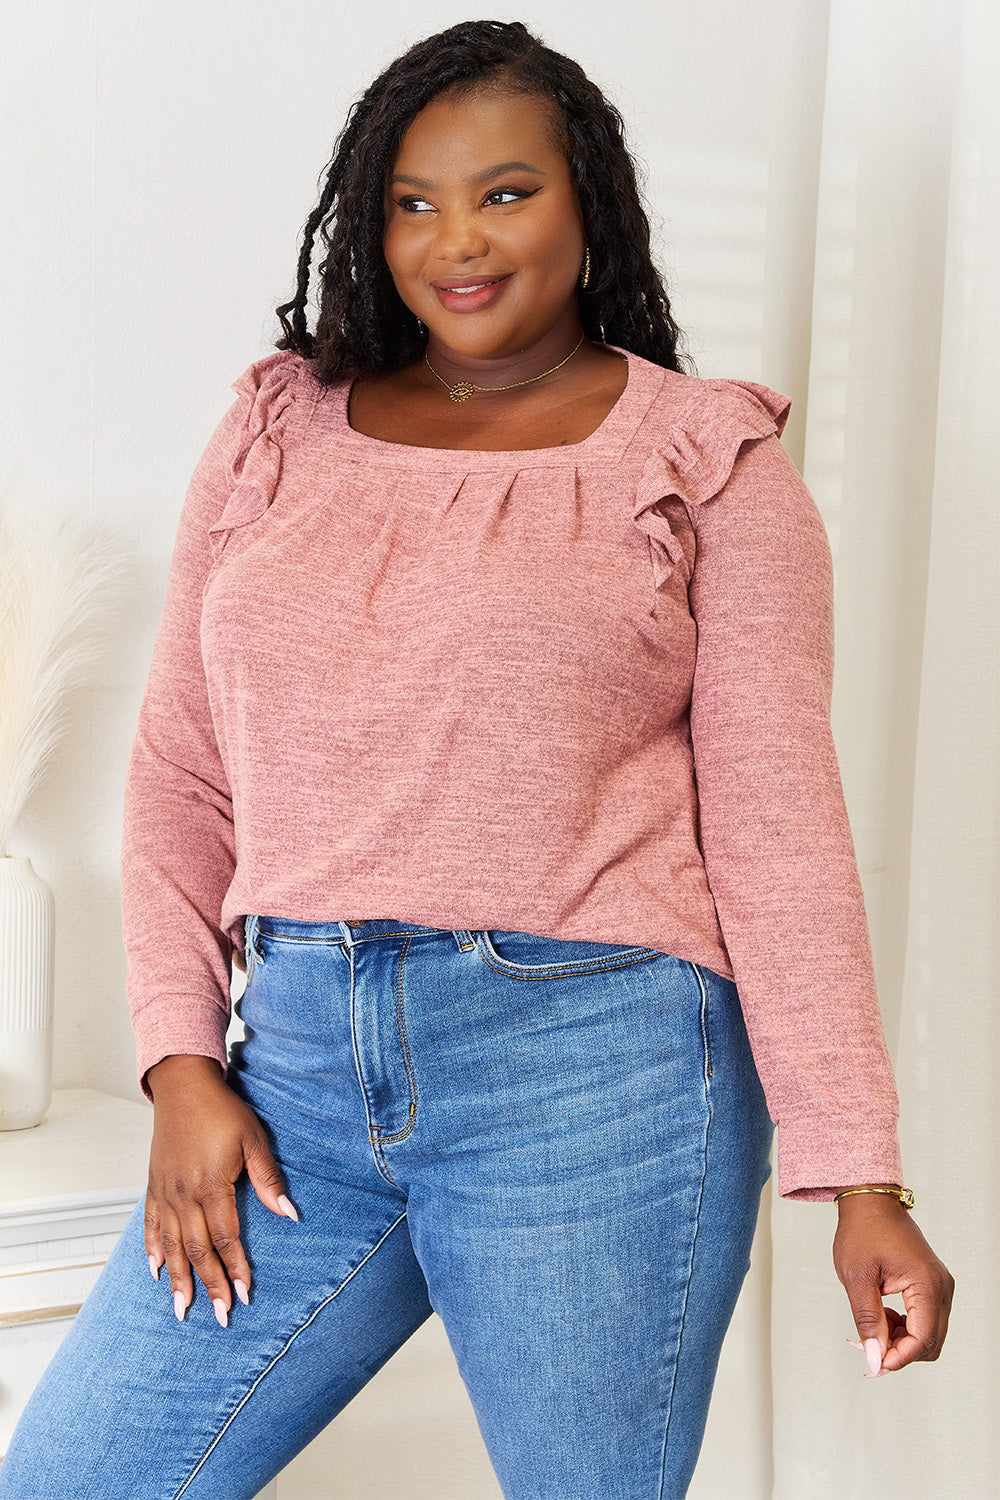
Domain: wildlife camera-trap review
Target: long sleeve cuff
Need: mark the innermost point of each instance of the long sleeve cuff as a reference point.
(190, 1026)
(813, 1167)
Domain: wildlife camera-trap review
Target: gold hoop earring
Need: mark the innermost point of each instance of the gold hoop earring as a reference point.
(585, 273)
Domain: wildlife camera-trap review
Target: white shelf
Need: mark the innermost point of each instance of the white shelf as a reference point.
(67, 1189)
(88, 1143)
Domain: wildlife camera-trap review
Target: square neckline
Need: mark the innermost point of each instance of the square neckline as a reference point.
(609, 437)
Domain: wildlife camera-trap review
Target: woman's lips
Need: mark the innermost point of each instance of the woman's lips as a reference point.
(472, 297)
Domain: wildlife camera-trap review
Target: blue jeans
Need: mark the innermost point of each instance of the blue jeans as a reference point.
(558, 1146)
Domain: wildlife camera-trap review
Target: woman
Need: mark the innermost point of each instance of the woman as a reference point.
(484, 615)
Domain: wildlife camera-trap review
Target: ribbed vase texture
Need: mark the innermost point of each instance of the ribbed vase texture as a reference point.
(27, 933)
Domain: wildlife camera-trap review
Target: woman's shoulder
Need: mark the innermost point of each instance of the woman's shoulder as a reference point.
(275, 398)
(692, 434)
(710, 407)
(273, 401)
(279, 374)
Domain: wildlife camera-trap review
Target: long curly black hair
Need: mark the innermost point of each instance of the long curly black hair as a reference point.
(364, 327)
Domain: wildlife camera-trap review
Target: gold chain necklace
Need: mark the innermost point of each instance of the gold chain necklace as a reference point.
(463, 389)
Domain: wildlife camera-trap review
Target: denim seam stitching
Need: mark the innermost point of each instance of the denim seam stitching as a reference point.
(371, 937)
(381, 1165)
(703, 1003)
(283, 1351)
(385, 1139)
(706, 1039)
(289, 937)
(571, 969)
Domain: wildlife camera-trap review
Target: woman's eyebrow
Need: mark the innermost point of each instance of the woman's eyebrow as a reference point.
(484, 176)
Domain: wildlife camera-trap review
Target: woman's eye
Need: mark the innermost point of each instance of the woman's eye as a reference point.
(508, 195)
(500, 196)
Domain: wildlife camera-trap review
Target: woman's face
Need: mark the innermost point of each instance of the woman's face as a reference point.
(480, 196)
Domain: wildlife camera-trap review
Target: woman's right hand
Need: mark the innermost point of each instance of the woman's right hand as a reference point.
(203, 1136)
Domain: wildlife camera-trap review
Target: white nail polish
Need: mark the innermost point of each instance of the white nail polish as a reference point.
(221, 1316)
(243, 1292)
(287, 1208)
(154, 1268)
(180, 1306)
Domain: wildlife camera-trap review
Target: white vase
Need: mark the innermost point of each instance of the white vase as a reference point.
(27, 932)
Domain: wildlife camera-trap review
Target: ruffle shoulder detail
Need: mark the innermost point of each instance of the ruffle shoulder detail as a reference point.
(268, 391)
(696, 458)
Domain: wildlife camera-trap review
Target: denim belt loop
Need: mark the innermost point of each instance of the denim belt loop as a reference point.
(251, 954)
(464, 940)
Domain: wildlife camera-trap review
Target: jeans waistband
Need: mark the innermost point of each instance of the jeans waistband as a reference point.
(350, 932)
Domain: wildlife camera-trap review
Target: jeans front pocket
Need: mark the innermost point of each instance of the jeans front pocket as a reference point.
(525, 955)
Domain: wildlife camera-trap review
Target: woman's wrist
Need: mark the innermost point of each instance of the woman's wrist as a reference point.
(862, 1196)
(857, 1187)
(181, 1071)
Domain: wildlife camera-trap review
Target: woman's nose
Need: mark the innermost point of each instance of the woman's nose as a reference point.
(460, 237)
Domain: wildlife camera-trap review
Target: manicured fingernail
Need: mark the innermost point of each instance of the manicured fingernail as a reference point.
(856, 1345)
(288, 1209)
(242, 1291)
(221, 1315)
(154, 1268)
(180, 1305)
(873, 1349)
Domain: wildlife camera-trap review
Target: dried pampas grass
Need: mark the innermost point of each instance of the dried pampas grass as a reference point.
(58, 590)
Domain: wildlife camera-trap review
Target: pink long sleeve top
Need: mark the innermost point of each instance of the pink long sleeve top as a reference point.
(579, 691)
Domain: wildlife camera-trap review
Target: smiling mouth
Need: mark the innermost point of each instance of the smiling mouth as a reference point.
(462, 291)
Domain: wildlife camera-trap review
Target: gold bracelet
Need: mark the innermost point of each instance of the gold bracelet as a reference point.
(905, 1195)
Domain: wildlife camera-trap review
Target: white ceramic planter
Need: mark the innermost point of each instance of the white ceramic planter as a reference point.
(27, 940)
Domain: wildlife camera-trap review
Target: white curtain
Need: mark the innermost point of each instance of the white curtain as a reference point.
(900, 449)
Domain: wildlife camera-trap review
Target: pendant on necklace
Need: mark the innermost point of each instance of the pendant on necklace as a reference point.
(462, 391)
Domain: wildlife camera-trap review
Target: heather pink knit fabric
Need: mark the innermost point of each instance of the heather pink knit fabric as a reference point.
(579, 691)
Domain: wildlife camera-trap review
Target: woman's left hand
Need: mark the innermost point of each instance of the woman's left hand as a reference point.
(878, 1251)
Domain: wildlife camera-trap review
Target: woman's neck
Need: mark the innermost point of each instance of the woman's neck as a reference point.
(546, 353)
